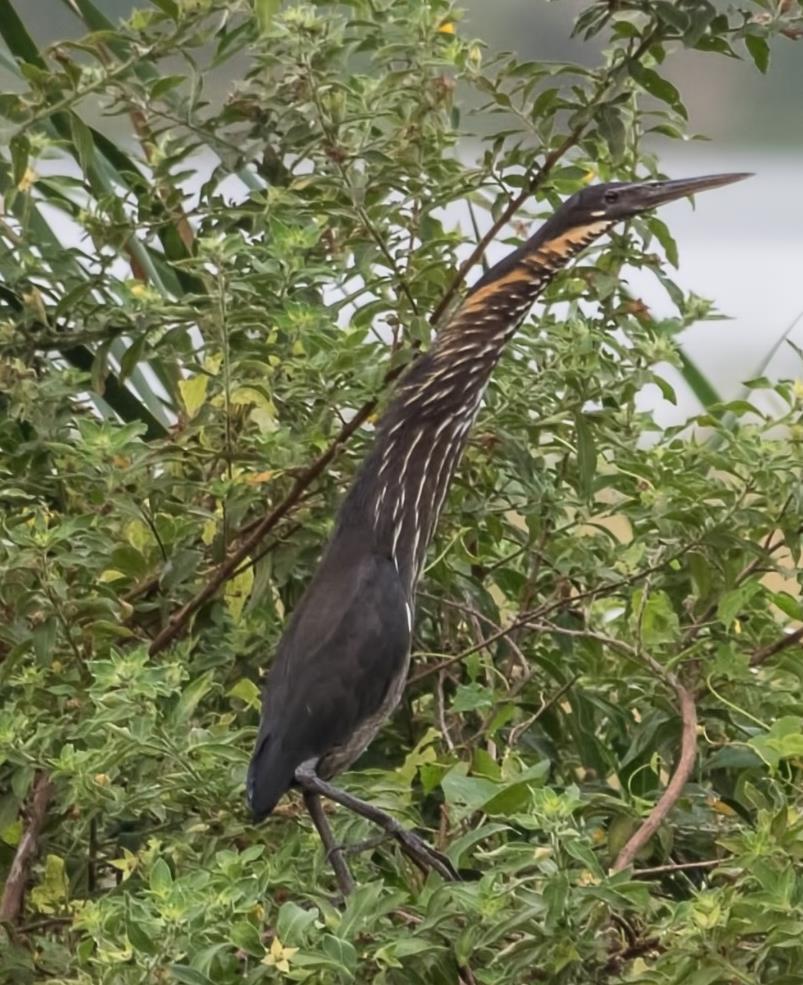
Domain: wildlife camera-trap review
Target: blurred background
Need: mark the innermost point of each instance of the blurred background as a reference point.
(740, 246)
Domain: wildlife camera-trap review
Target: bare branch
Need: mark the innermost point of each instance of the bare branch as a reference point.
(659, 870)
(670, 796)
(688, 742)
(14, 889)
(536, 178)
(765, 652)
(178, 620)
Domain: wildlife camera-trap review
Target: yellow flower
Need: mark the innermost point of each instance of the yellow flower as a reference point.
(27, 181)
(279, 956)
(447, 27)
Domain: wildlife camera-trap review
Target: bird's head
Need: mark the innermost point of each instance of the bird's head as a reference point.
(617, 200)
(595, 209)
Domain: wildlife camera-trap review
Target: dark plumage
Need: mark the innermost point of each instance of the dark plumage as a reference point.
(346, 646)
(341, 665)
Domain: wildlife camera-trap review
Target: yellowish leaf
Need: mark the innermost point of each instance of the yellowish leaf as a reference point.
(138, 535)
(237, 591)
(246, 691)
(264, 420)
(12, 834)
(208, 531)
(193, 393)
(110, 574)
(257, 478)
(279, 956)
(53, 888)
(720, 807)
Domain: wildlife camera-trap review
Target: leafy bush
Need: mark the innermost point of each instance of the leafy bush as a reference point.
(198, 319)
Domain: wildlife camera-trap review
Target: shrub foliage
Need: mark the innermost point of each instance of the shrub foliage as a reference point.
(201, 300)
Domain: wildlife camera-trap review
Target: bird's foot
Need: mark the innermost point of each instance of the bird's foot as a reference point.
(415, 848)
(425, 856)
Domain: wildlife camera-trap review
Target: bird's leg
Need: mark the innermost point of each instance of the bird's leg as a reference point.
(424, 856)
(334, 853)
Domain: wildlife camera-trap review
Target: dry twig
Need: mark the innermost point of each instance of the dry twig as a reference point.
(688, 742)
(14, 889)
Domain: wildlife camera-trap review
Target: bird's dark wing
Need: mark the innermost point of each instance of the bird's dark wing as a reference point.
(345, 647)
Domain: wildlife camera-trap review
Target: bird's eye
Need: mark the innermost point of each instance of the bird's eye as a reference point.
(611, 197)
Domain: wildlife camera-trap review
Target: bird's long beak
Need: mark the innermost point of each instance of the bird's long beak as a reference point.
(657, 193)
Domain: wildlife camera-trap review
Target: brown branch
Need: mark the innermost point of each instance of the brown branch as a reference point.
(769, 547)
(511, 209)
(227, 568)
(688, 741)
(14, 889)
(670, 796)
(765, 652)
(562, 603)
(537, 179)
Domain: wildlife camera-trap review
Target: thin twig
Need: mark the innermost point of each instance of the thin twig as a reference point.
(688, 742)
(179, 619)
(536, 179)
(14, 889)
(440, 707)
(765, 652)
(659, 870)
(227, 568)
(517, 731)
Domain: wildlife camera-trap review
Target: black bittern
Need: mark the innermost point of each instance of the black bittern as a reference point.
(341, 665)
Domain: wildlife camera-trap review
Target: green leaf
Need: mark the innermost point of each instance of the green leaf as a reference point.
(586, 456)
(20, 150)
(294, 923)
(161, 879)
(193, 392)
(784, 740)
(192, 695)
(84, 144)
(166, 84)
(656, 86)
(697, 381)
(759, 52)
(466, 793)
(265, 11)
(655, 618)
(470, 697)
(788, 604)
(189, 976)
(613, 131)
(51, 892)
(731, 604)
(139, 937)
(661, 232)
(19, 41)
(246, 690)
(238, 590)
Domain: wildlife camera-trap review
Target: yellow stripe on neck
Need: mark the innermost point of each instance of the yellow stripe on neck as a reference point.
(567, 243)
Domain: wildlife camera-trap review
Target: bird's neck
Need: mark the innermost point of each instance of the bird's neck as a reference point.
(400, 488)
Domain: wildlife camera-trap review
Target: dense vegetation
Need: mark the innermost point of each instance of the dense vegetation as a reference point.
(201, 300)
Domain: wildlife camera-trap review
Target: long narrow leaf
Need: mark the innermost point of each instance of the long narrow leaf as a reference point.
(20, 43)
(697, 381)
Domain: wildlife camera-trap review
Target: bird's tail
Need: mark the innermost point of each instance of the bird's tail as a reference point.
(270, 774)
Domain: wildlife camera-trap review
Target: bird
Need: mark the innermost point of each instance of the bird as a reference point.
(341, 665)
